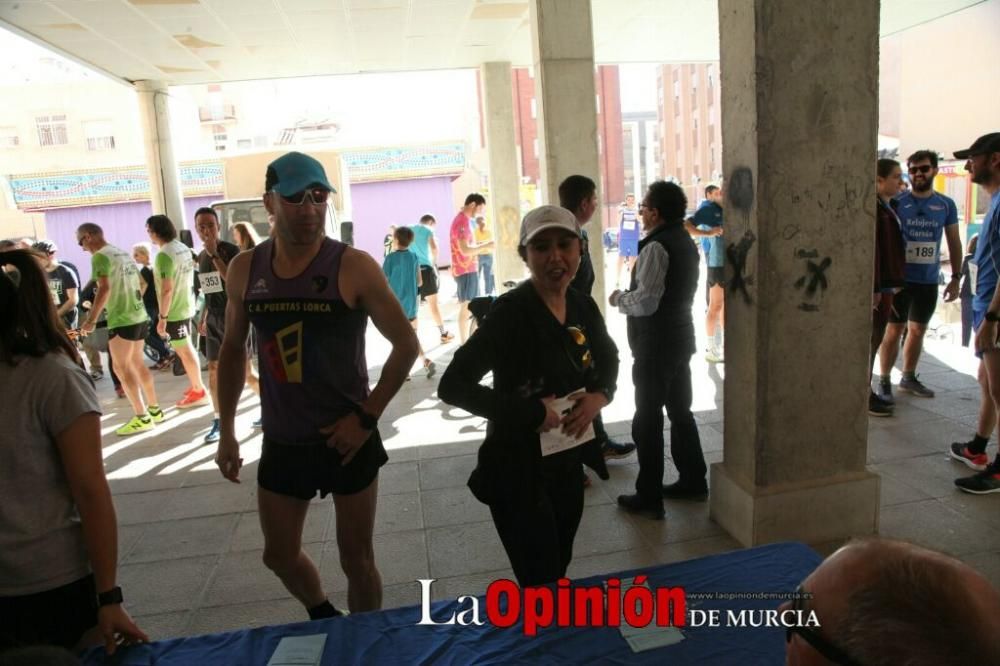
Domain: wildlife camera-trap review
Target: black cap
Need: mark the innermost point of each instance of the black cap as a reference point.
(987, 143)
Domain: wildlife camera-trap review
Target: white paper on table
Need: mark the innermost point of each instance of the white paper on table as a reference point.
(555, 440)
(299, 651)
(651, 636)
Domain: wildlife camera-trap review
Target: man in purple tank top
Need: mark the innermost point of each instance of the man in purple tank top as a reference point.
(308, 298)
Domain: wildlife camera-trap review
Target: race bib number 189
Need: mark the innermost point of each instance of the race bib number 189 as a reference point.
(921, 253)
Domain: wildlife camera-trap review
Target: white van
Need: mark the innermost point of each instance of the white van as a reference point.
(231, 211)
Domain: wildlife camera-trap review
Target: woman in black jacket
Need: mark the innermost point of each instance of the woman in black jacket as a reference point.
(542, 341)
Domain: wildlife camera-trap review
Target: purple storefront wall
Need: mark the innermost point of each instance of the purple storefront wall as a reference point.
(124, 225)
(377, 205)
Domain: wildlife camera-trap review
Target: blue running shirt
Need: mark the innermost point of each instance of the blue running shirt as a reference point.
(987, 257)
(923, 222)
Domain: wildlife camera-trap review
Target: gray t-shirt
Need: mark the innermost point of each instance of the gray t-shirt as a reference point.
(41, 539)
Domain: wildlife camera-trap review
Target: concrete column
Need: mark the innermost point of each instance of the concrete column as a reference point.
(563, 47)
(164, 175)
(505, 198)
(799, 138)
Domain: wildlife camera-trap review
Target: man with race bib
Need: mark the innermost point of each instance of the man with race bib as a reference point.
(212, 265)
(925, 216)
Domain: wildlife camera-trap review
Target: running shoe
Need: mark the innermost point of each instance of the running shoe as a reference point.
(136, 425)
(613, 450)
(884, 392)
(447, 337)
(193, 398)
(213, 434)
(877, 407)
(915, 386)
(156, 414)
(983, 483)
(714, 355)
(96, 373)
(960, 451)
(430, 368)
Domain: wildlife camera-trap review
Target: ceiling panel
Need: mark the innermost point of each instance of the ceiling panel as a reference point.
(294, 37)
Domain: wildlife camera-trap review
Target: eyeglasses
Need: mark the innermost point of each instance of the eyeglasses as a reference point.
(827, 649)
(923, 168)
(317, 196)
(643, 206)
(80, 240)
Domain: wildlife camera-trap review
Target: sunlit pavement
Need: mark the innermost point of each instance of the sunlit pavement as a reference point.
(190, 543)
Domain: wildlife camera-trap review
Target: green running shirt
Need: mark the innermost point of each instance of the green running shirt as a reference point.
(174, 261)
(124, 304)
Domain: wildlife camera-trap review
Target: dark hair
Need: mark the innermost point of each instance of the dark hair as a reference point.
(30, 325)
(249, 234)
(885, 166)
(574, 191)
(710, 188)
(403, 236)
(475, 198)
(206, 210)
(668, 199)
(162, 227)
(922, 155)
(427, 217)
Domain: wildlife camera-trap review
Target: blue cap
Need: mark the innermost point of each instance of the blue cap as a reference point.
(294, 172)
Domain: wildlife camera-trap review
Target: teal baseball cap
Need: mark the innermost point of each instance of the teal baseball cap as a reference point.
(295, 172)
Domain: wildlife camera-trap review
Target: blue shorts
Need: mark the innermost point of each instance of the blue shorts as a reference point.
(978, 316)
(468, 286)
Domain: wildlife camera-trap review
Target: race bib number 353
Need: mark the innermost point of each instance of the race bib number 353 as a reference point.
(211, 283)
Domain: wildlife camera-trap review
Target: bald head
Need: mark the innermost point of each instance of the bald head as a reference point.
(890, 602)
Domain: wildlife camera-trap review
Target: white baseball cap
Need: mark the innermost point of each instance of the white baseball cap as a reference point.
(547, 217)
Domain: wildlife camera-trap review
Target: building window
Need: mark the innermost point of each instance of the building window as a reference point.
(99, 135)
(219, 137)
(52, 130)
(9, 137)
(534, 108)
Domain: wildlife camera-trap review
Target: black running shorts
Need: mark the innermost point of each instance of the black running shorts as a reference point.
(300, 470)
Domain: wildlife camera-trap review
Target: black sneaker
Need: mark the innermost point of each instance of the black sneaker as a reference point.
(613, 450)
(915, 386)
(634, 504)
(884, 392)
(960, 451)
(677, 491)
(983, 483)
(878, 407)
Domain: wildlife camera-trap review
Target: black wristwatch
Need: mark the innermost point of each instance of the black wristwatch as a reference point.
(956, 276)
(112, 596)
(368, 421)
(992, 316)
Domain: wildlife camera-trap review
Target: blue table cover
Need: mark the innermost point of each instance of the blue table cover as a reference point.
(393, 636)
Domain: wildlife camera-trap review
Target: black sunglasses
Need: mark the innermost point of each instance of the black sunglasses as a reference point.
(827, 649)
(317, 196)
(923, 168)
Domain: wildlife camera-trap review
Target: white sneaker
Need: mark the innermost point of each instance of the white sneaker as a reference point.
(714, 355)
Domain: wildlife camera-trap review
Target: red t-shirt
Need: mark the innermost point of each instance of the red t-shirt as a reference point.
(461, 264)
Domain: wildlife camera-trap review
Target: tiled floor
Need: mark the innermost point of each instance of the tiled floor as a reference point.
(190, 544)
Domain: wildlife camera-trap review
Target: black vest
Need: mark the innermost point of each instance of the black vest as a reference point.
(670, 330)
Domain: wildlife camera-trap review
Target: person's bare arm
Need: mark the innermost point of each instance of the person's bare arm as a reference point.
(955, 257)
(80, 451)
(71, 300)
(232, 366)
(363, 286)
(701, 233)
(434, 251)
(469, 250)
(100, 300)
